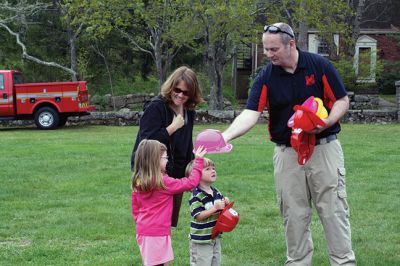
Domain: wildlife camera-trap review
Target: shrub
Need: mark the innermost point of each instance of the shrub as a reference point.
(386, 82)
(124, 86)
(347, 73)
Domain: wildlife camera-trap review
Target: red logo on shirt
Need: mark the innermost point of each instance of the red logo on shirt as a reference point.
(310, 80)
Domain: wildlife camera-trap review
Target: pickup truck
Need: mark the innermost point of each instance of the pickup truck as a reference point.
(49, 104)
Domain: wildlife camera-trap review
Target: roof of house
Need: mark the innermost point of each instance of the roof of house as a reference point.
(391, 30)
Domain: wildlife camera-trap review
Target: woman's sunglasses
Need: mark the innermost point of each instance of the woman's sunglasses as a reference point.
(177, 91)
(275, 29)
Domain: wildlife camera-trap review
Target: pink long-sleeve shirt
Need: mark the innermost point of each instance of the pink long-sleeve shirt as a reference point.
(152, 211)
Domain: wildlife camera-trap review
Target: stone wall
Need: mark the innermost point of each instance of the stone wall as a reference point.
(126, 117)
(398, 99)
(363, 109)
(370, 116)
(111, 103)
(363, 101)
(132, 102)
(135, 102)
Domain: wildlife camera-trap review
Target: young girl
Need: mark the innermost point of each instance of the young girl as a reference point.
(152, 199)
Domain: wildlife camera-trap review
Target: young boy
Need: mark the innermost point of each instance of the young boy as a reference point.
(206, 203)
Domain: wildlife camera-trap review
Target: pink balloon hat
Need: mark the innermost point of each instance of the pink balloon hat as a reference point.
(213, 141)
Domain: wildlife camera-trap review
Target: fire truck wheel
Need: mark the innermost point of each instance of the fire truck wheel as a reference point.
(46, 118)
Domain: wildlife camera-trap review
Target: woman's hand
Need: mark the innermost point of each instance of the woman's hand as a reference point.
(178, 121)
(176, 124)
(200, 152)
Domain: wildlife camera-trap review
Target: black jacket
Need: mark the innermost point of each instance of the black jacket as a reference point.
(156, 117)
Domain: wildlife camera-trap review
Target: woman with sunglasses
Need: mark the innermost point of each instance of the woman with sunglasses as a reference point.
(169, 118)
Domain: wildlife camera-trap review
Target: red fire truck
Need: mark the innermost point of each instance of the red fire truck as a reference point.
(48, 104)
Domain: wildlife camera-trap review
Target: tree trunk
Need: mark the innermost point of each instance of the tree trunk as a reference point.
(355, 23)
(72, 49)
(234, 71)
(302, 41)
(98, 51)
(215, 72)
(333, 54)
(158, 61)
(158, 57)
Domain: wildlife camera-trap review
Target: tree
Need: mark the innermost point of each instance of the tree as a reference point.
(368, 13)
(326, 17)
(17, 20)
(73, 31)
(157, 28)
(222, 25)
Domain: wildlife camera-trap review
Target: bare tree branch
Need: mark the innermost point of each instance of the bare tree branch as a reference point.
(78, 31)
(32, 58)
(371, 4)
(377, 17)
(131, 40)
(375, 20)
(259, 11)
(97, 50)
(18, 13)
(20, 8)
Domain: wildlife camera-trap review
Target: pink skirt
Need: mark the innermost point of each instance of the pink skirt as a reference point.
(155, 249)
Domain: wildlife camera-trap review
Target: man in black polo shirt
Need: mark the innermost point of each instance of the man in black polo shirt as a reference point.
(289, 79)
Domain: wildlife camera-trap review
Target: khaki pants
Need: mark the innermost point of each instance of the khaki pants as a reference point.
(206, 254)
(321, 182)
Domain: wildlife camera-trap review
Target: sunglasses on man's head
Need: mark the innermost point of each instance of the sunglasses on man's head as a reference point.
(177, 91)
(275, 29)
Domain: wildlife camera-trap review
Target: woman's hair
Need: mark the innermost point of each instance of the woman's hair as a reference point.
(187, 75)
(147, 171)
(189, 167)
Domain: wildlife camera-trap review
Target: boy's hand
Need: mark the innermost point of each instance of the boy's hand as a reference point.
(226, 200)
(200, 152)
(219, 205)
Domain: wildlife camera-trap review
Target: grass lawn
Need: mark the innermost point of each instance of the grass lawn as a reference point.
(65, 198)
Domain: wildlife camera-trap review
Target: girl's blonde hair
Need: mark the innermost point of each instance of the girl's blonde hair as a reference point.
(187, 75)
(189, 167)
(147, 174)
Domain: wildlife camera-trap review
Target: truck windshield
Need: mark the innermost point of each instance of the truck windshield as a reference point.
(1, 82)
(17, 79)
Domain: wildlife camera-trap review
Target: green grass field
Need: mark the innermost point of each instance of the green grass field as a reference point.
(65, 198)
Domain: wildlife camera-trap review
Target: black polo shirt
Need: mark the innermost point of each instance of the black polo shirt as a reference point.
(279, 91)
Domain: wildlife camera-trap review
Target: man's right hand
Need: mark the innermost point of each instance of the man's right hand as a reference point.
(241, 125)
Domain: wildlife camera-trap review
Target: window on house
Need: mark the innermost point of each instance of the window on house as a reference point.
(323, 48)
(244, 56)
(364, 63)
